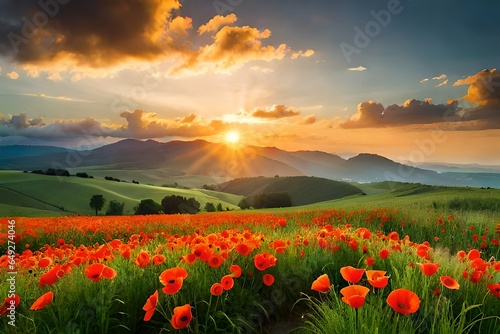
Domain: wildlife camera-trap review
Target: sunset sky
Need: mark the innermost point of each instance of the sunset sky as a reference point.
(410, 80)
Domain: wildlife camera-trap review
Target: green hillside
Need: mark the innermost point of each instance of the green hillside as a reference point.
(302, 189)
(30, 194)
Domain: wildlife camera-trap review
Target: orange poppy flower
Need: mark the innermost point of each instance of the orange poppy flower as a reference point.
(351, 274)
(403, 301)
(227, 282)
(108, 272)
(43, 301)
(377, 278)
(96, 271)
(268, 279)
(428, 269)
(51, 276)
(125, 251)
(142, 259)
(449, 282)
(243, 249)
(215, 261)
(321, 284)
(235, 270)
(182, 317)
(173, 279)
(14, 300)
(216, 289)
(44, 262)
(150, 306)
(158, 259)
(494, 289)
(354, 295)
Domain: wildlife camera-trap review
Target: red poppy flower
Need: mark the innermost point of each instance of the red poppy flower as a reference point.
(351, 274)
(51, 276)
(142, 259)
(158, 259)
(428, 269)
(44, 262)
(182, 317)
(14, 300)
(321, 284)
(473, 254)
(216, 289)
(243, 249)
(227, 282)
(369, 261)
(377, 278)
(268, 279)
(215, 261)
(264, 260)
(354, 295)
(383, 254)
(173, 279)
(96, 271)
(449, 282)
(150, 306)
(403, 301)
(494, 289)
(235, 270)
(43, 301)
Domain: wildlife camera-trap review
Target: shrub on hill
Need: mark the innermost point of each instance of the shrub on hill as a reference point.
(51, 171)
(115, 208)
(148, 207)
(178, 204)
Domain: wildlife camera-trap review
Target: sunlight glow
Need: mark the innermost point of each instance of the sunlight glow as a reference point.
(232, 137)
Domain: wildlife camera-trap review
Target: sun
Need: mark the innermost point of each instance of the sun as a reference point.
(232, 137)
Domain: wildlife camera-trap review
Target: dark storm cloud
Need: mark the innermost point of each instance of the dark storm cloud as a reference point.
(89, 33)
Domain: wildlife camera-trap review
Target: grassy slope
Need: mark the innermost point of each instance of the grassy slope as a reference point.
(302, 189)
(46, 193)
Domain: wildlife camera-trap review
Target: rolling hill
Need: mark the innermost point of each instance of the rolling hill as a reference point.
(302, 189)
(177, 161)
(22, 193)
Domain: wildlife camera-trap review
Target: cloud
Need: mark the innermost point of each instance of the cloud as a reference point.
(442, 83)
(60, 98)
(261, 69)
(232, 47)
(304, 54)
(441, 77)
(215, 23)
(13, 75)
(276, 111)
(371, 114)
(357, 69)
(20, 121)
(484, 88)
(424, 80)
(92, 39)
(309, 119)
(138, 124)
(89, 33)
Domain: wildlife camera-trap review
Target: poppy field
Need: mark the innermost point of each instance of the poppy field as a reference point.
(316, 271)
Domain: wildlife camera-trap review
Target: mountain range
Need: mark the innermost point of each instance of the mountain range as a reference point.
(227, 162)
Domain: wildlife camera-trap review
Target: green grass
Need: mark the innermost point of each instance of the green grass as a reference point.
(71, 195)
(302, 189)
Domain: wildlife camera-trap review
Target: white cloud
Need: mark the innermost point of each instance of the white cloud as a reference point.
(441, 77)
(13, 75)
(357, 69)
(443, 83)
(424, 80)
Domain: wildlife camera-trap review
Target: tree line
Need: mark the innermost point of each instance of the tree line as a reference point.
(173, 204)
